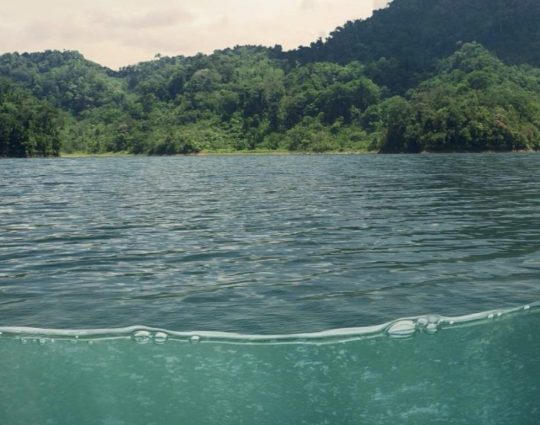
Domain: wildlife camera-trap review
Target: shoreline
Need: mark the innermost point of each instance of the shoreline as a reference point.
(75, 155)
(212, 153)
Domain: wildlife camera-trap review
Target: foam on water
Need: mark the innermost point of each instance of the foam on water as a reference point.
(482, 368)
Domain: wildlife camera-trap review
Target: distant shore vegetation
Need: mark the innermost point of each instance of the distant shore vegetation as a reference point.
(456, 86)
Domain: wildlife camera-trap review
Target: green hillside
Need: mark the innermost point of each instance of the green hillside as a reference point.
(420, 75)
(403, 42)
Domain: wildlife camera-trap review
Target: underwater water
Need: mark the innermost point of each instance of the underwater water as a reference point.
(481, 369)
(268, 290)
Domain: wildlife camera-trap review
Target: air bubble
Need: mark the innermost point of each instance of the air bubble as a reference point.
(160, 337)
(491, 316)
(527, 307)
(451, 322)
(142, 337)
(422, 322)
(195, 339)
(402, 329)
(499, 314)
(429, 324)
(432, 328)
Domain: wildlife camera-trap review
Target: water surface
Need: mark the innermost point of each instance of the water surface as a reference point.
(267, 244)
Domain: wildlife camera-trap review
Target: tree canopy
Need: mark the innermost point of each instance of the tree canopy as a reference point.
(28, 126)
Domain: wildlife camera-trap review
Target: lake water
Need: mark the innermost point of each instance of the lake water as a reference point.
(265, 244)
(199, 248)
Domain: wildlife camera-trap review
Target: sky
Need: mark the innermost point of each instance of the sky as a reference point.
(117, 33)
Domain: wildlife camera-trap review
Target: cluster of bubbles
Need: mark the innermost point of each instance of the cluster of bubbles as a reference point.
(140, 337)
(429, 324)
(408, 327)
(145, 337)
(159, 337)
(36, 340)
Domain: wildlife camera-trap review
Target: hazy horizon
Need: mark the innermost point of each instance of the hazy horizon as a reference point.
(122, 32)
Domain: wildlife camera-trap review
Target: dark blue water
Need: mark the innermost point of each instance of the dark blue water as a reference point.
(273, 244)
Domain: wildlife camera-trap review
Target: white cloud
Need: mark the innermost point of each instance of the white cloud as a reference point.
(308, 4)
(380, 4)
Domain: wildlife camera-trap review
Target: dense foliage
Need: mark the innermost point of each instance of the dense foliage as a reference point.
(406, 80)
(476, 103)
(402, 43)
(28, 127)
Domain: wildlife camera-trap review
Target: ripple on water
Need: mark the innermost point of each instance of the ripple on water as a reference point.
(266, 244)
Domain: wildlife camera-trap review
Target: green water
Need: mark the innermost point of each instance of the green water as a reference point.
(483, 369)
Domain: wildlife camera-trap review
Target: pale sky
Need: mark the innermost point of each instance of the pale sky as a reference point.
(123, 32)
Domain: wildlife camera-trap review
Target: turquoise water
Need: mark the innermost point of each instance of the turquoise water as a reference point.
(246, 268)
(482, 369)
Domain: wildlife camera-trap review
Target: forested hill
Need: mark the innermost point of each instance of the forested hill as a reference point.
(404, 41)
(420, 75)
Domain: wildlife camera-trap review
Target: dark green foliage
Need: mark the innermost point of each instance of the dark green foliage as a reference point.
(406, 80)
(236, 99)
(404, 41)
(28, 127)
(65, 79)
(173, 144)
(476, 103)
